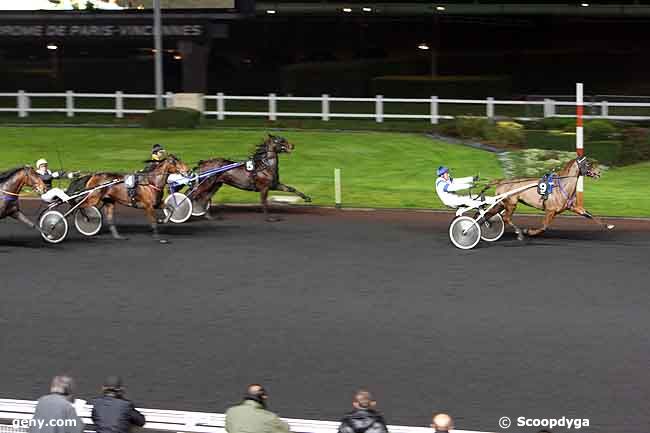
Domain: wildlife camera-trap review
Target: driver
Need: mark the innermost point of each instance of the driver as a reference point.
(446, 186)
(47, 176)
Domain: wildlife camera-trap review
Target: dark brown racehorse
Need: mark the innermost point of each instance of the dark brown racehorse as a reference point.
(263, 176)
(148, 196)
(11, 183)
(562, 197)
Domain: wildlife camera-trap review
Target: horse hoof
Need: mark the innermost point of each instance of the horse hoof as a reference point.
(273, 220)
(163, 241)
(610, 226)
(120, 238)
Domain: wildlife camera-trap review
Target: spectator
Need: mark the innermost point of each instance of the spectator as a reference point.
(251, 415)
(364, 418)
(442, 423)
(54, 412)
(112, 412)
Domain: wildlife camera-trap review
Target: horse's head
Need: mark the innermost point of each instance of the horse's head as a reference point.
(278, 144)
(172, 164)
(33, 180)
(587, 168)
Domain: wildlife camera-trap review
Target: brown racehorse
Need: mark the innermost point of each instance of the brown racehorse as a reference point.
(11, 183)
(263, 176)
(562, 197)
(148, 196)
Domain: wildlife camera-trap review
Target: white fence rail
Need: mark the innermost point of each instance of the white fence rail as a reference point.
(180, 421)
(23, 105)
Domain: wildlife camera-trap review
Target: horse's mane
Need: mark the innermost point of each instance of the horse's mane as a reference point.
(567, 166)
(9, 173)
(259, 152)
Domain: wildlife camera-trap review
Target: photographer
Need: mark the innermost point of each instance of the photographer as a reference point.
(112, 413)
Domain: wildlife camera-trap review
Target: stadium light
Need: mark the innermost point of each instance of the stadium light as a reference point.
(584, 5)
(271, 11)
(52, 47)
(178, 57)
(367, 9)
(423, 46)
(347, 10)
(440, 8)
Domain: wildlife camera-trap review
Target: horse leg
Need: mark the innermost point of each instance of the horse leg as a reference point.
(151, 215)
(548, 217)
(287, 188)
(507, 218)
(264, 195)
(19, 216)
(206, 199)
(110, 209)
(585, 213)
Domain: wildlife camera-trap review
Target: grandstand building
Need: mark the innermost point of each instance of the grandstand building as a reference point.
(311, 47)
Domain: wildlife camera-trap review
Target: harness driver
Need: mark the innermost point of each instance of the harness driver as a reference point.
(446, 187)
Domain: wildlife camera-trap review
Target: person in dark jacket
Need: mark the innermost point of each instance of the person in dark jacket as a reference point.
(364, 418)
(56, 408)
(112, 412)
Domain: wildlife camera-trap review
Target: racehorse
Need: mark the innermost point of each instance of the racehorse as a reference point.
(561, 198)
(11, 183)
(262, 176)
(148, 194)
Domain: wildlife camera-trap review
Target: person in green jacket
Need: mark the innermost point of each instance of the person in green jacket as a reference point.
(251, 415)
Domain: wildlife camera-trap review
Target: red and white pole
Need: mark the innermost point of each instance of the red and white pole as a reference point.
(580, 151)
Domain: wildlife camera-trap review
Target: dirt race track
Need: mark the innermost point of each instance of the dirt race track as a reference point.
(326, 301)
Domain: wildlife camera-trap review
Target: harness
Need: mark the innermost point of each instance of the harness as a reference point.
(10, 196)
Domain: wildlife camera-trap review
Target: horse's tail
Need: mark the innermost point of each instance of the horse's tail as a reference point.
(78, 184)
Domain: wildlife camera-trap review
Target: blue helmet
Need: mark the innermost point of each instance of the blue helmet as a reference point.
(442, 170)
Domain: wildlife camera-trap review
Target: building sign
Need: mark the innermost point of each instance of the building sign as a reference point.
(122, 30)
(102, 31)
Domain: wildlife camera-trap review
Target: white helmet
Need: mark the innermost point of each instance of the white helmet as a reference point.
(40, 162)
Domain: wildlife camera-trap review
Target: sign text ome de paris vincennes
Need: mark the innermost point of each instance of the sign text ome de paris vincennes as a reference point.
(106, 31)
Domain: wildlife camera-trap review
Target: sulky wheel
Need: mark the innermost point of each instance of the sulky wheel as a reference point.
(200, 208)
(88, 221)
(493, 228)
(464, 232)
(180, 207)
(53, 225)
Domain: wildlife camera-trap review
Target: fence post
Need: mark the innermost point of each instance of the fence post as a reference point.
(273, 107)
(119, 104)
(220, 106)
(379, 108)
(549, 108)
(325, 108)
(434, 110)
(169, 99)
(490, 109)
(337, 187)
(69, 103)
(604, 109)
(22, 104)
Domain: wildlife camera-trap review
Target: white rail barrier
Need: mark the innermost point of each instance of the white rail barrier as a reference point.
(181, 421)
(70, 106)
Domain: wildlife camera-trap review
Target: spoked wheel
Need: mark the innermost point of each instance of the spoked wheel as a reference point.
(53, 225)
(464, 232)
(199, 209)
(180, 207)
(88, 221)
(493, 228)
